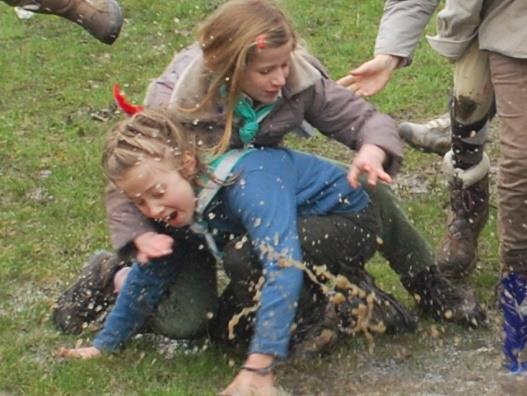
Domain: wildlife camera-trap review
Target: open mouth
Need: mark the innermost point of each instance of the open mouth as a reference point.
(171, 218)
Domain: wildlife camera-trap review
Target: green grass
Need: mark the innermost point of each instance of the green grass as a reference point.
(55, 108)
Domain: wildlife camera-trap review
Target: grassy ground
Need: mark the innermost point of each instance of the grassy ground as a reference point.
(56, 106)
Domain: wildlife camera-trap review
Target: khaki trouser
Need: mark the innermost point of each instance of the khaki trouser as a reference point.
(473, 91)
(509, 76)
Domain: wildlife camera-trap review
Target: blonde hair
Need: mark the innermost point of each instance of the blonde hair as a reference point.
(149, 134)
(228, 38)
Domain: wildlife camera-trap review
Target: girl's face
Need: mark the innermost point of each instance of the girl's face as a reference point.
(160, 192)
(267, 73)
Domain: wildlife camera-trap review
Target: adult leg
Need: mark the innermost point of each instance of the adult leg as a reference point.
(509, 77)
(101, 18)
(466, 165)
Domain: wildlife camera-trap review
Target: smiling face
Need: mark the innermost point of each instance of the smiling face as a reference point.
(266, 73)
(160, 192)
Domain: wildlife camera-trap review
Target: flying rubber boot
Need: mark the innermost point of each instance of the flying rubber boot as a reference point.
(101, 18)
(432, 137)
(466, 167)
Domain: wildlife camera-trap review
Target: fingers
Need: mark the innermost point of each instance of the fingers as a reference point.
(385, 177)
(142, 258)
(363, 69)
(345, 81)
(153, 246)
(353, 176)
(373, 175)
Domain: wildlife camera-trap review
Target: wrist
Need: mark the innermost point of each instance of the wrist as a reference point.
(391, 62)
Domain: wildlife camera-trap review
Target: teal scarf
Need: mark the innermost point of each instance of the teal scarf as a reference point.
(251, 118)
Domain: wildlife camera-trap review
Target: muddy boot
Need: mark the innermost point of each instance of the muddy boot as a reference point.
(316, 337)
(101, 18)
(432, 137)
(366, 307)
(90, 296)
(469, 201)
(438, 298)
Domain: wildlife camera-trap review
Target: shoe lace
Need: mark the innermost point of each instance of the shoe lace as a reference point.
(441, 123)
(466, 200)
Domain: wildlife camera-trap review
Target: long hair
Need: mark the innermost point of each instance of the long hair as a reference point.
(149, 134)
(229, 37)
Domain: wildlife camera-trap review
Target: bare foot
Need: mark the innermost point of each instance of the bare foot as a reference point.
(79, 353)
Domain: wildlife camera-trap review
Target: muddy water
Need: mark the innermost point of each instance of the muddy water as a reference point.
(437, 360)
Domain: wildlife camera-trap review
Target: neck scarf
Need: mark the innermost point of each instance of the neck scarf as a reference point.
(251, 118)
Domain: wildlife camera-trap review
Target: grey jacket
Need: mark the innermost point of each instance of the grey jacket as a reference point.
(308, 95)
(499, 25)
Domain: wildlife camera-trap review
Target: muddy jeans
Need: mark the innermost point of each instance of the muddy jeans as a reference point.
(509, 76)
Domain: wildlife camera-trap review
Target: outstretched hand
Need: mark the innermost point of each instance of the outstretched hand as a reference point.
(369, 160)
(371, 77)
(152, 245)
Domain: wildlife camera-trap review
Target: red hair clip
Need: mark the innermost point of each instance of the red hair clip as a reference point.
(125, 106)
(260, 41)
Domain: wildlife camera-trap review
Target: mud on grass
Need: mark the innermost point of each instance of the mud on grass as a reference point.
(439, 359)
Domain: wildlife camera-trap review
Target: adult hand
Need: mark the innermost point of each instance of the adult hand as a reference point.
(368, 160)
(152, 245)
(250, 383)
(372, 76)
(79, 353)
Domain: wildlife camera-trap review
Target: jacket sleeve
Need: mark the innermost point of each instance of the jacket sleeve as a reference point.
(125, 221)
(401, 26)
(457, 27)
(340, 114)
